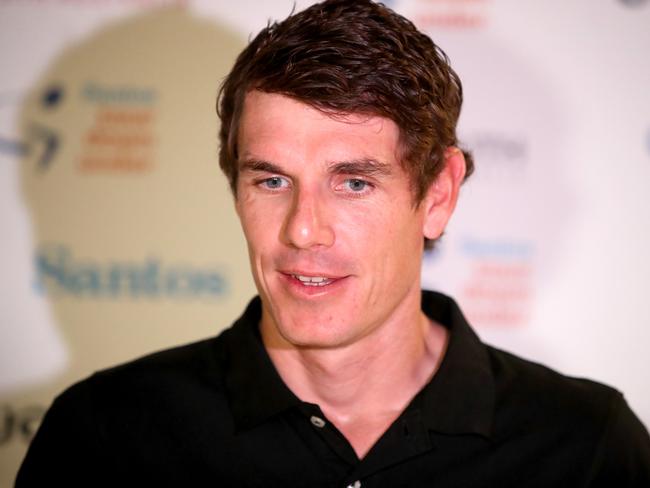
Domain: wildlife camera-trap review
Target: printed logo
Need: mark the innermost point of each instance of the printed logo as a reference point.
(19, 423)
(59, 273)
(41, 142)
(499, 287)
(633, 3)
(97, 3)
(453, 14)
(120, 138)
(501, 154)
(52, 96)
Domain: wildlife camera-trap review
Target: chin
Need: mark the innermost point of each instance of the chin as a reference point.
(309, 330)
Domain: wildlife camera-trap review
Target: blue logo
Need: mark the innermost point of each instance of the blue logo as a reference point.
(129, 95)
(58, 273)
(40, 140)
(503, 249)
(43, 141)
(52, 96)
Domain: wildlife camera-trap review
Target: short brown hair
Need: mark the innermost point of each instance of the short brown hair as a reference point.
(352, 56)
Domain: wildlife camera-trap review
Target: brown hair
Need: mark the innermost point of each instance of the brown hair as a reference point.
(352, 56)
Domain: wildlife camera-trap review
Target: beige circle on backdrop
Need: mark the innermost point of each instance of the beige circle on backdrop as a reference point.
(138, 245)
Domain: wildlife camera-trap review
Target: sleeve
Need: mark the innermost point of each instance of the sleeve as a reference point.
(623, 455)
(64, 451)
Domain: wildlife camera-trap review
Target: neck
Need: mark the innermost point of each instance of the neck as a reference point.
(362, 387)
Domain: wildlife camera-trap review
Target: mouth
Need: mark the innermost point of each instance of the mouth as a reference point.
(313, 280)
(312, 283)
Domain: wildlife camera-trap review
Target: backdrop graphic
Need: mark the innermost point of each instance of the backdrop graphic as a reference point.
(117, 233)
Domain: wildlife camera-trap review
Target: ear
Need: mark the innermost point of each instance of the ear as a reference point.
(441, 197)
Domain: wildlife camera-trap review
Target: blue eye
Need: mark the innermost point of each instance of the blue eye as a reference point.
(274, 182)
(356, 185)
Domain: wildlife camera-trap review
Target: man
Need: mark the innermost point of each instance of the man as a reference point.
(339, 141)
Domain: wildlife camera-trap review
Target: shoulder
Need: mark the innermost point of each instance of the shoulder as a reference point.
(526, 383)
(202, 360)
(132, 415)
(573, 418)
(133, 398)
(530, 394)
(189, 367)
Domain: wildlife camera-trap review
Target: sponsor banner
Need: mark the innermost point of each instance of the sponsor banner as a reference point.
(120, 237)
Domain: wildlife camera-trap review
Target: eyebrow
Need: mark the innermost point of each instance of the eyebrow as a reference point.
(260, 166)
(362, 167)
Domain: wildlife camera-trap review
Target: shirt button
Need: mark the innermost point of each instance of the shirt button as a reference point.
(317, 421)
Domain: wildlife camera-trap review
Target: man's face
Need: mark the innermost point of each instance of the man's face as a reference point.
(334, 238)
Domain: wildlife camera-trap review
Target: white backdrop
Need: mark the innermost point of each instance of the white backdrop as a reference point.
(547, 251)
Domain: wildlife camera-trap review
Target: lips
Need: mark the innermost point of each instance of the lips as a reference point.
(313, 280)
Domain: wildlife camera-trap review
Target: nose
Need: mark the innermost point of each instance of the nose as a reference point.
(307, 224)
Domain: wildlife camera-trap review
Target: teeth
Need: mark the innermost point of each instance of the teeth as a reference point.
(313, 280)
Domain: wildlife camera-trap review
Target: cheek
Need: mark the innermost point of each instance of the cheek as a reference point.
(374, 238)
(396, 238)
(255, 234)
(259, 224)
(385, 225)
(360, 229)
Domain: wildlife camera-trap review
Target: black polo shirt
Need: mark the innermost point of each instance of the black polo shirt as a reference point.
(216, 413)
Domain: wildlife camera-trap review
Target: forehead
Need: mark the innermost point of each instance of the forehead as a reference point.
(277, 127)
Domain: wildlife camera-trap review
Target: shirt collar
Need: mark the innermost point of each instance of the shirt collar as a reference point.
(461, 396)
(458, 400)
(255, 390)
